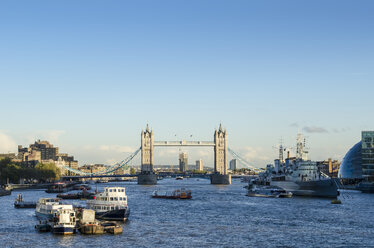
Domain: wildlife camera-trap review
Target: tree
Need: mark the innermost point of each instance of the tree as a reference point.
(132, 171)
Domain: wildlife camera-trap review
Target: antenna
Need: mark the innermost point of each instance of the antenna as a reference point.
(280, 149)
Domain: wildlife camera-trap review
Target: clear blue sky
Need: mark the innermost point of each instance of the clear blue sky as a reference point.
(89, 75)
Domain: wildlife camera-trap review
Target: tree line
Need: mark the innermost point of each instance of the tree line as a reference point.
(14, 171)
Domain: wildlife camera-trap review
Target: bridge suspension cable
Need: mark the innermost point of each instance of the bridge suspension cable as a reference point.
(110, 169)
(243, 161)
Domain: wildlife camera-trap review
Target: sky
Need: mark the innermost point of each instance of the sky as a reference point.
(89, 75)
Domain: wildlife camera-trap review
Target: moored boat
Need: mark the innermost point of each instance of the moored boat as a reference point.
(77, 196)
(176, 194)
(20, 203)
(46, 207)
(87, 223)
(58, 188)
(268, 192)
(43, 226)
(4, 192)
(82, 187)
(112, 227)
(64, 222)
(110, 204)
(366, 187)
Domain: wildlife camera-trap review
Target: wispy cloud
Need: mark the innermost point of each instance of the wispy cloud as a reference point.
(340, 130)
(117, 148)
(314, 129)
(294, 124)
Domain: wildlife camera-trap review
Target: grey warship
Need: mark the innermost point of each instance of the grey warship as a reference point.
(300, 175)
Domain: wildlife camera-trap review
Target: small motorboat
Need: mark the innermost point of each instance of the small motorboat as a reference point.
(20, 203)
(179, 178)
(176, 194)
(268, 191)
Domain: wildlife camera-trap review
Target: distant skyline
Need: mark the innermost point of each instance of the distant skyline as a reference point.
(89, 75)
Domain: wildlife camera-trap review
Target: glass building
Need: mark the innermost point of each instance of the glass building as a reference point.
(368, 155)
(351, 166)
(358, 163)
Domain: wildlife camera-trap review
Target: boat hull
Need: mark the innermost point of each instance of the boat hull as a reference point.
(25, 205)
(260, 195)
(321, 188)
(63, 230)
(172, 197)
(116, 215)
(91, 229)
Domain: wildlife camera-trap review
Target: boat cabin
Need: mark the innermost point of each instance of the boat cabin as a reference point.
(112, 194)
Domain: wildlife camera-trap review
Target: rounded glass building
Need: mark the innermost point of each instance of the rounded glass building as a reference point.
(351, 166)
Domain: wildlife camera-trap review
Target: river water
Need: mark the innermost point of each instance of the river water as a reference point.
(217, 216)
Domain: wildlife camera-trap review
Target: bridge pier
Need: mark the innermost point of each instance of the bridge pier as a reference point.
(147, 175)
(147, 179)
(220, 175)
(220, 179)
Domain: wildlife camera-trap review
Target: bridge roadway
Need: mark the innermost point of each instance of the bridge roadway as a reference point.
(160, 174)
(183, 143)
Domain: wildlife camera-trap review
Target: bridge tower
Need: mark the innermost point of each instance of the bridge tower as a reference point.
(220, 175)
(147, 175)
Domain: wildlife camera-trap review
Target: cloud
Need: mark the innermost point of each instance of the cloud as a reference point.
(7, 144)
(117, 148)
(314, 129)
(52, 136)
(255, 156)
(294, 124)
(252, 153)
(340, 130)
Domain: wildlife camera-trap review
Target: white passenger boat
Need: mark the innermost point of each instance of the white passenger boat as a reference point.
(64, 221)
(46, 207)
(110, 204)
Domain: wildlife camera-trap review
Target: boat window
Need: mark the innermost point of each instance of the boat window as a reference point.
(115, 198)
(114, 190)
(110, 190)
(111, 198)
(112, 208)
(120, 198)
(106, 190)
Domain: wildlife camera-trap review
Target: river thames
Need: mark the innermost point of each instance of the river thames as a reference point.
(217, 216)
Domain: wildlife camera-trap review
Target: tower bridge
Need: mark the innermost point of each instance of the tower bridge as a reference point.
(148, 176)
(220, 176)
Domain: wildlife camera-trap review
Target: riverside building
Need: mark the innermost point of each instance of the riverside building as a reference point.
(199, 165)
(358, 163)
(183, 162)
(44, 152)
(233, 164)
